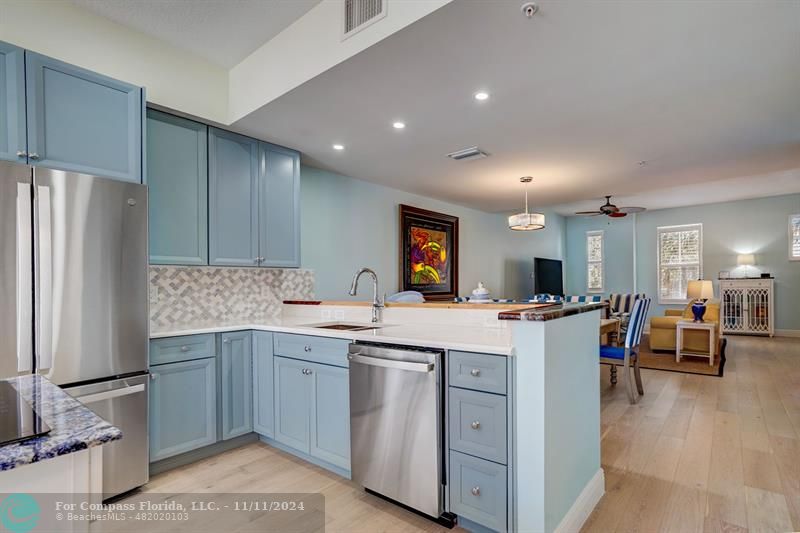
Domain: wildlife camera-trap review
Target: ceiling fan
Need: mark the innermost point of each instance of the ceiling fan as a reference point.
(611, 210)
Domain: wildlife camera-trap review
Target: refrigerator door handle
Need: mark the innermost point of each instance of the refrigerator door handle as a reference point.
(24, 279)
(44, 309)
(114, 393)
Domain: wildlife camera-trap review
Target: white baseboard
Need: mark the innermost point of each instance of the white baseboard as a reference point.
(787, 332)
(584, 504)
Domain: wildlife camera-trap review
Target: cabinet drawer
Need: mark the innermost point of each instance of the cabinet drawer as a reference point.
(477, 371)
(478, 424)
(317, 349)
(478, 490)
(186, 348)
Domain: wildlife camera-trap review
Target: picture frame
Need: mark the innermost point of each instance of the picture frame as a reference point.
(428, 253)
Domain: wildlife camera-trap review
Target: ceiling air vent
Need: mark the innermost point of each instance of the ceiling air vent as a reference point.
(468, 154)
(358, 14)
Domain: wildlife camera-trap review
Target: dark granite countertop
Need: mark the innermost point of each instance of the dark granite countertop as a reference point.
(73, 426)
(551, 312)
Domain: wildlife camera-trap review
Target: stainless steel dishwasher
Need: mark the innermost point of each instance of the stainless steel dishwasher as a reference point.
(396, 418)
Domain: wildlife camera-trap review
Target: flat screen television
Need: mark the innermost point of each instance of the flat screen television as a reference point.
(547, 276)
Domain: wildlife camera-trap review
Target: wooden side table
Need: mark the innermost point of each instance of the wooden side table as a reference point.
(711, 327)
(609, 326)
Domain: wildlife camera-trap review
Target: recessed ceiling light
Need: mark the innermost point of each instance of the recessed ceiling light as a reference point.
(481, 95)
(338, 147)
(399, 125)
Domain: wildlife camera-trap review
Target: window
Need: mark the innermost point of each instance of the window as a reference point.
(680, 259)
(794, 237)
(594, 261)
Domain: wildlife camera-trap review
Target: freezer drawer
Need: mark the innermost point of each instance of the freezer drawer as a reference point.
(123, 403)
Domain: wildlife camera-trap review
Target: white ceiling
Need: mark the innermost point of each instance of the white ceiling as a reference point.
(221, 31)
(579, 95)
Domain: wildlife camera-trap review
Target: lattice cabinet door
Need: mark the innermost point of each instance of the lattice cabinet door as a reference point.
(733, 310)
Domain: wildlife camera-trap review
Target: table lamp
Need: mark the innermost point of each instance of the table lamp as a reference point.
(699, 290)
(745, 260)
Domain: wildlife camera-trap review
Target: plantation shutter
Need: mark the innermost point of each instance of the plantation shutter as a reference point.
(680, 250)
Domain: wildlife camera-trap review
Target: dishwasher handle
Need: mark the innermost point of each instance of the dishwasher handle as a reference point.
(390, 363)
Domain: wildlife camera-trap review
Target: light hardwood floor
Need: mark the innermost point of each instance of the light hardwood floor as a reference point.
(703, 453)
(697, 453)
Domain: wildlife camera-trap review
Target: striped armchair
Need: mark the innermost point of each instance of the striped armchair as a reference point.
(620, 306)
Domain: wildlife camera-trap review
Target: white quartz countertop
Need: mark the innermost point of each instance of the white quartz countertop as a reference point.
(494, 340)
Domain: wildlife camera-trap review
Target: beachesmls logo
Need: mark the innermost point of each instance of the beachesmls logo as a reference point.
(19, 513)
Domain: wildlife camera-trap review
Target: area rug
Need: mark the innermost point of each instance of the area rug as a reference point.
(662, 360)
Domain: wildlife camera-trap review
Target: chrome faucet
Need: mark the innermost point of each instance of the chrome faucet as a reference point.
(377, 302)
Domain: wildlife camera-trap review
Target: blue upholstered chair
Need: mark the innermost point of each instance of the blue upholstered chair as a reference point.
(624, 355)
(583, 298)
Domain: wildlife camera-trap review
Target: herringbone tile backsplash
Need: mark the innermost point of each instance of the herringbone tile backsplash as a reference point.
(187, 295)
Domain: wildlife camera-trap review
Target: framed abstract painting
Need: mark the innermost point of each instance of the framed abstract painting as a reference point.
(428, 253)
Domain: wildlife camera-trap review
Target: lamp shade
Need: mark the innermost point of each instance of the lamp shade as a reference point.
(526, 221)
(700, 289)
(745, 259)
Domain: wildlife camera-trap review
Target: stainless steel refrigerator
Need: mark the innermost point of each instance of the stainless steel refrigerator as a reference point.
(73, 299)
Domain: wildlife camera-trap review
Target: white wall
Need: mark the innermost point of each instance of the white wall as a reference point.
(173, 78)
(309, 47)
(349, 223)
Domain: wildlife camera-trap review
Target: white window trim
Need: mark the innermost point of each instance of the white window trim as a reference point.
(668, 229)
(791, 218)
(602, 260)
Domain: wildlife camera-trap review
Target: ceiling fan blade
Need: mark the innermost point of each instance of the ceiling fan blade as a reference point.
(589, 213)
(617, 214)
(629, 210)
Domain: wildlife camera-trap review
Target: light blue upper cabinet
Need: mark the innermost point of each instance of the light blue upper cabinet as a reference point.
(233, 199)
(263, 405)
(330, 414)
(177, 175)
(279, 206)
(237, 384)
(82, 121)
(13, 144)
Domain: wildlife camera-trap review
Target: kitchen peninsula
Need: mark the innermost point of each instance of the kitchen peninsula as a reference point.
(515, 378)
(60, 445)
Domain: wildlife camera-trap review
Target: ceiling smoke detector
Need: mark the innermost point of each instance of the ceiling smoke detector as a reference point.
(468, 154)
(529, 9)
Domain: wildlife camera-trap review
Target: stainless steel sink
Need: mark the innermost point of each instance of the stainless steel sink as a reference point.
(344, 326)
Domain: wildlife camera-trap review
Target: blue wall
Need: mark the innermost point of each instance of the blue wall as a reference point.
(348, 223)
(758, 226)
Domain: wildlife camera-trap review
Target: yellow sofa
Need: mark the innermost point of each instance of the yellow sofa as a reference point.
(663, 329)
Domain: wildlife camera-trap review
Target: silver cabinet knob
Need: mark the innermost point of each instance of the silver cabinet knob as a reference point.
(307, 348)
(225, 341)
(475, 425)
(309, 371)
(21, 153)
(476, 491)
(153, 377)
(306, 371)
(33, 155)
(184, 348)
(475, 372)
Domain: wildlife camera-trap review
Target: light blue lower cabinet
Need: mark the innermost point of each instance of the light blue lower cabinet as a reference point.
(330, 414)
(292, 403)
(263, 385)
(237, 383)
(312, 409)
(478, 490)
(183, 407)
